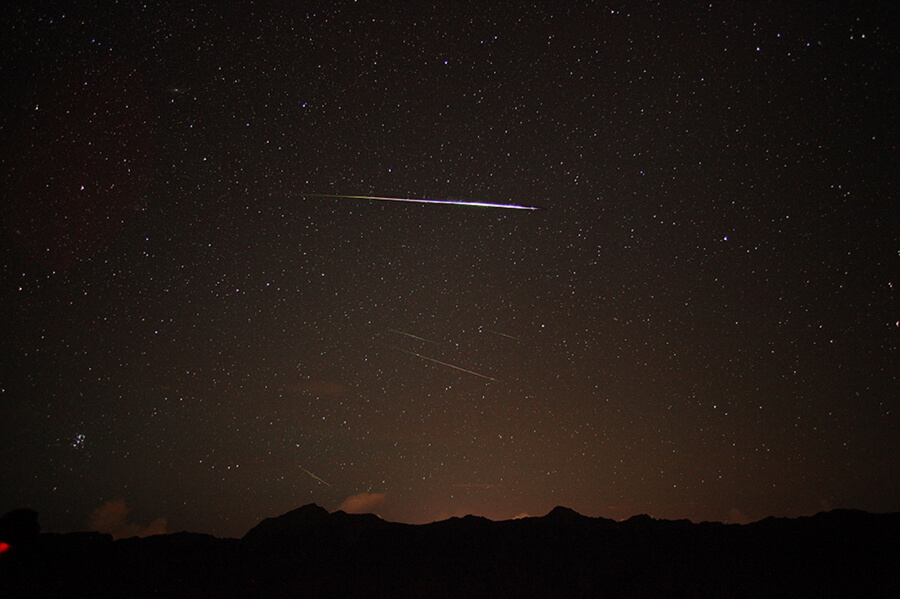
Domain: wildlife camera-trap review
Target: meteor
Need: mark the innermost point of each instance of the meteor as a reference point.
(313, 475)
(411, 336)
(502, 334)
(412, 353)
(427, 201)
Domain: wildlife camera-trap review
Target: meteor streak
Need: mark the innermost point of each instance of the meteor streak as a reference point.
(502, 334)
(473, 486)
(314, 476)
(395, 331)
(427, 201)
(412, 353)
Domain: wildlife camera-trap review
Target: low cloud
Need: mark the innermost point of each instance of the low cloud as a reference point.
(363, 503)
(736, 516)
(112, 518)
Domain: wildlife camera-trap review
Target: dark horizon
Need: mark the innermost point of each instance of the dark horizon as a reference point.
(310, 553)
(132, 529)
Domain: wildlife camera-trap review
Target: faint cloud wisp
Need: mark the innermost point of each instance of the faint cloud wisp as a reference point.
(363, 503)
(112, 518)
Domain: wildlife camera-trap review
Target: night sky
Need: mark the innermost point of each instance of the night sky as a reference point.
(701, 323)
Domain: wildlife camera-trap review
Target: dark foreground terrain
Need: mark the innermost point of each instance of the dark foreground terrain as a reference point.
(311, 553)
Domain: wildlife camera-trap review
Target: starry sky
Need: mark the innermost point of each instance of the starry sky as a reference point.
(701, 323)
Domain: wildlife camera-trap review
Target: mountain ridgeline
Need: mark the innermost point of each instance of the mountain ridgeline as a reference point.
(309, 552)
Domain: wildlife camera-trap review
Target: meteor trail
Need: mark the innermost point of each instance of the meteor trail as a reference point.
(314, 476)
(412, 353)
(427, 201)
(502, 334)
(395, 331)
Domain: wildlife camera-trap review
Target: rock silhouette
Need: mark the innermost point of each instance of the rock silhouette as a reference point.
(309, 552)
(19, 528)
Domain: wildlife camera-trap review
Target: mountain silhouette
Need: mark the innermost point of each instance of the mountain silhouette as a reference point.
(309, 552)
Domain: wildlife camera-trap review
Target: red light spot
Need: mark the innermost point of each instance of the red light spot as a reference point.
(4, 547)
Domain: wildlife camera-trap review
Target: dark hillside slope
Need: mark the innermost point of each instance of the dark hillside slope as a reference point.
(311, 553)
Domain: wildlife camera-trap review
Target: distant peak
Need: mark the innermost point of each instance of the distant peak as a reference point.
(310, 509)
(563, 512)
(641, 518)
(296, 522)
(313, 507)
(309, 513)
